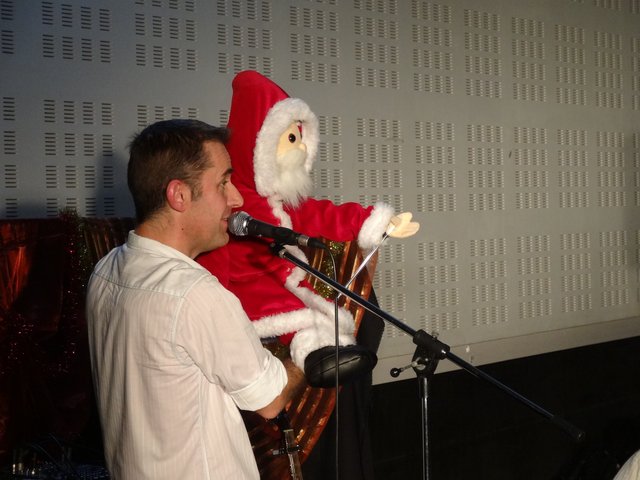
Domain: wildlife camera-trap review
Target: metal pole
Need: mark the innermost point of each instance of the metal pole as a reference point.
(424, 387)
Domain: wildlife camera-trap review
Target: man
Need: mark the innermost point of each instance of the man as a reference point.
(173, 354)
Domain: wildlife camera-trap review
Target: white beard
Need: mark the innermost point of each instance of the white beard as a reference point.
(293, 183)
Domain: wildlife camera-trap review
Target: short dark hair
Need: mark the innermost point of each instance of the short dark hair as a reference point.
(164, 151)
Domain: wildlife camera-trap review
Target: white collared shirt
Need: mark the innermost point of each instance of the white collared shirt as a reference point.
(173, 358)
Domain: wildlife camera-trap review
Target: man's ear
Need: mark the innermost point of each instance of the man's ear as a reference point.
(178, 195)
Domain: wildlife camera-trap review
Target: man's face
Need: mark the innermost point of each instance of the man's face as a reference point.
(210, 212)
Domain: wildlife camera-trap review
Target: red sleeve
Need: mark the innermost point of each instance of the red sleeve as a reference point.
(322, 218)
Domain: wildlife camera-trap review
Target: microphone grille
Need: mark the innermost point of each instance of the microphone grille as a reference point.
(238, 223)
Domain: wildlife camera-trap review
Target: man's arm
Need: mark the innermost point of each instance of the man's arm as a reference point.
(296, 381)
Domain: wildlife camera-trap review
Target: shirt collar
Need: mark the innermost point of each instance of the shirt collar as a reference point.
(136, 241)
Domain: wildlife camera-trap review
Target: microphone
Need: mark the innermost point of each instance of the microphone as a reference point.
(242, 224)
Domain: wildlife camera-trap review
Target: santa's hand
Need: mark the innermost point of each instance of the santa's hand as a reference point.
(401, 226)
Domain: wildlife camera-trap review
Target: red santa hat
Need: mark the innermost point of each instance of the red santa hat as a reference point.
(260, 112)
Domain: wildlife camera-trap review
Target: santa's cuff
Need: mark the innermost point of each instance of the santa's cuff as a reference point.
(311, 339)
(374, 227)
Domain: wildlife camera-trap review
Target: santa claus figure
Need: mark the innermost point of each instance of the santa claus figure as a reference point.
(273, 145)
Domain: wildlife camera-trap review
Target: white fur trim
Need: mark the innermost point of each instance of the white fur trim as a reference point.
(278, 119)
(311, 339)
(346, 323)
(281, 323)
(278, 211)
(374, 227)
(319, 313)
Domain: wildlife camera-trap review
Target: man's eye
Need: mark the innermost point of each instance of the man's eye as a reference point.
(292, 138)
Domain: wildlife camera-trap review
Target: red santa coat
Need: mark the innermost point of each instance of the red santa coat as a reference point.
(272, 290)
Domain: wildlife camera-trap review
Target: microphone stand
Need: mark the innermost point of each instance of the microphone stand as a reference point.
(429, 352)
(424, 364)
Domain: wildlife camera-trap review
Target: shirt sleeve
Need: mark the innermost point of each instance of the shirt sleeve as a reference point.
(212, 329)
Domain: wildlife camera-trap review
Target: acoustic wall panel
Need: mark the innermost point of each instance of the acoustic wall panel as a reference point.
(511, 129)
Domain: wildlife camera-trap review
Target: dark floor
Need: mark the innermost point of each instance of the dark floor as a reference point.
(478, 431)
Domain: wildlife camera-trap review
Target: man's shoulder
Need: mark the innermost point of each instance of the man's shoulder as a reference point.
(153, 271)
(180, 276)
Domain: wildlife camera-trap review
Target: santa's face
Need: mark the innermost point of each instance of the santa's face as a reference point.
(294, 182)
(292, 152)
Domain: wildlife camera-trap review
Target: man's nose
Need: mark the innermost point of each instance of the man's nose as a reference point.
(234, 198)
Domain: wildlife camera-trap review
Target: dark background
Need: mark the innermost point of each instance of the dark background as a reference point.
(478, 431)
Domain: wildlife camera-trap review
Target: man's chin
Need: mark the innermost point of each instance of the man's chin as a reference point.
(219, 241)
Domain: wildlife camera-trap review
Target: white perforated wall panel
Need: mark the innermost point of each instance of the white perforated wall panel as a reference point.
(510, 128)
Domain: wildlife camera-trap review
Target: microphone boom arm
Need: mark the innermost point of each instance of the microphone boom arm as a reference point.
(436, 348)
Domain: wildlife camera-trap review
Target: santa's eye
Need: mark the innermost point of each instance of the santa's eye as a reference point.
(292, 138)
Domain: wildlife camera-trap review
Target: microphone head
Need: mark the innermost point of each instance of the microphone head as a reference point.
(239, 223)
